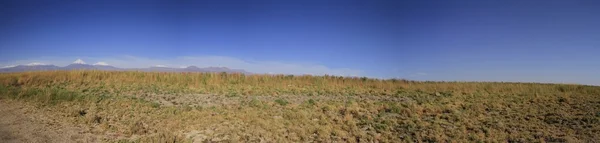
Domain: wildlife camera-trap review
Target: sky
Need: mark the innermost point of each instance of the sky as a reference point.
(554, 41)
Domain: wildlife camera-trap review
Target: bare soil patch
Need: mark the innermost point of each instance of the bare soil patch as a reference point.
(209, 100)
(21, 122)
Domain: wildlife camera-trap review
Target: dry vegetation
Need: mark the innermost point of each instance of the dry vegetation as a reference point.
(186, 107)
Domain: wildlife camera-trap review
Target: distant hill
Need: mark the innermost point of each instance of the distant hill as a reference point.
(81, 65)
(30, 67)
(78, 66)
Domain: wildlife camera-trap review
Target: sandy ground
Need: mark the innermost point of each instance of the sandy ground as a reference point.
(23, 123)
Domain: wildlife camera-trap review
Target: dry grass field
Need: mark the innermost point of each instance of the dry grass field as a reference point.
(103, 106)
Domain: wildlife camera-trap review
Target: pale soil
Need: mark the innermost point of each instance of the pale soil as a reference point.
(208, 100)
(20, 122)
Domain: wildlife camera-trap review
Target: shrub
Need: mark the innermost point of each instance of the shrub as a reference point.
(311, 102)
(281, 102)
(255, 103)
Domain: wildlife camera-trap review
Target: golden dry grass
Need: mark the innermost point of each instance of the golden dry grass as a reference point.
(283, 108)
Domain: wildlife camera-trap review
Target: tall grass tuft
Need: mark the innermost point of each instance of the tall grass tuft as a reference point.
(239, 84)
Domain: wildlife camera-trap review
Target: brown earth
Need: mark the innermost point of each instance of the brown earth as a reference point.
(23, 122)
(20, 122)
(208, 100)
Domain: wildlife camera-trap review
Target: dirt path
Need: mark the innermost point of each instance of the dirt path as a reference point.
(23, 123)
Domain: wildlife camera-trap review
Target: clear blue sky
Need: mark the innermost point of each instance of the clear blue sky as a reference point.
(508, 40)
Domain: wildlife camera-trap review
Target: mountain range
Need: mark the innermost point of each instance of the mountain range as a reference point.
(81, 65)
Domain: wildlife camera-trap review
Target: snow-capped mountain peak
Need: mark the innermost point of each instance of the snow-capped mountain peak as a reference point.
(160, 66)
(78, 61)
(101, 64)
(35, 64)
(9, 66)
